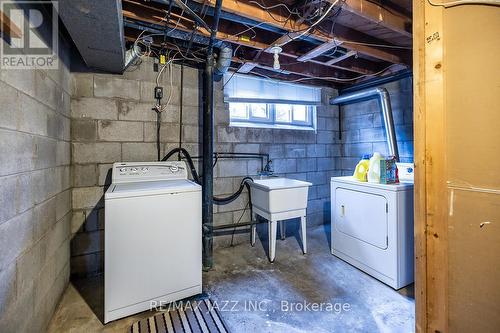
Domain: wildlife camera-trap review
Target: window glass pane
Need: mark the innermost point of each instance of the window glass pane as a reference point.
(259, 110)
(238, 110)
(283, 113)
(300, 113)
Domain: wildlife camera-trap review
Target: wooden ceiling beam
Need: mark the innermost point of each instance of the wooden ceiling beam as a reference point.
(289, 64)
(377, 14)
(132, 10)
(260, 15)
(249, 67)
(294, 78)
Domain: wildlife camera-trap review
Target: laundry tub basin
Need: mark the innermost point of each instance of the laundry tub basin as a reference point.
(278, 195)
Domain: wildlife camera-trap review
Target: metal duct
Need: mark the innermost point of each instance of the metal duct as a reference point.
(96, 27)
(223, 61)
(385, 104)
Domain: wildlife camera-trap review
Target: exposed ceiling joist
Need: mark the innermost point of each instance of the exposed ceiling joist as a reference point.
(288, 63)
(260, 15)
(139, 12)
(304, 69)
(379, 15)
(244, 24)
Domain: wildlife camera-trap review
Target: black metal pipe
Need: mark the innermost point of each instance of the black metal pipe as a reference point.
(215, 28)
(229, 155)
(236, 225)
(181, 109)
(208, 147)
(191, 13)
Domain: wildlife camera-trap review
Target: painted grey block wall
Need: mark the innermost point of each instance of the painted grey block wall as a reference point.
(112, 121)
(363, 131)
(35, 195)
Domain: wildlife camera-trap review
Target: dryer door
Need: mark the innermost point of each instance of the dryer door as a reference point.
(362, 216)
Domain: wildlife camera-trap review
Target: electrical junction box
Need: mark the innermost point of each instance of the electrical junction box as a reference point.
(158, 92)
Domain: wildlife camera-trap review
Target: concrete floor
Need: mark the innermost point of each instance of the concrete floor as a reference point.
(254, 295)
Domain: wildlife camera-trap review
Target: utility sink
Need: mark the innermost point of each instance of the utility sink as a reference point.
(279, 195)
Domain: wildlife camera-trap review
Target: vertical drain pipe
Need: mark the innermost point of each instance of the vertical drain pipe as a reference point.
(385, 104)
(208, 146)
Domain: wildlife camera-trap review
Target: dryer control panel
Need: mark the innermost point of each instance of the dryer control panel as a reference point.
(124, 172)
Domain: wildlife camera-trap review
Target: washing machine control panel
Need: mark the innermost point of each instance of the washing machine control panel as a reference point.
(123, 172)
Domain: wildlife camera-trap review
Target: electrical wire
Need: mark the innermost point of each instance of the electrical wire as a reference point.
(331, 78)
(325, 14)
(378, 45)
(249, 28)
(263, 6)
(459, 3)
(328, 78)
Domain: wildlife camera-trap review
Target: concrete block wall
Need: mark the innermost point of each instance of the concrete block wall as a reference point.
(112, 121)
(363, 130)
(35, 195)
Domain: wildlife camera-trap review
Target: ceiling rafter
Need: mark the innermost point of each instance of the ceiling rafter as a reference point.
(245, 24)
(377, 14)
(275, 19)
(140, 12)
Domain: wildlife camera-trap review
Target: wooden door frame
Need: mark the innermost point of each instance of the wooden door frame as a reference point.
(430, 212)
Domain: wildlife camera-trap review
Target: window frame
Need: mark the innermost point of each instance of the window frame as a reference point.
(271, 121)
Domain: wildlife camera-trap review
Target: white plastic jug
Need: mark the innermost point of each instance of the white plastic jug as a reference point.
(374, 168)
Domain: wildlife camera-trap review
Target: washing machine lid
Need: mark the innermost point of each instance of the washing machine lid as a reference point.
(135, 189)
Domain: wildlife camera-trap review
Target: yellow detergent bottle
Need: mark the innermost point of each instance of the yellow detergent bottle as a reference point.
(360, 173)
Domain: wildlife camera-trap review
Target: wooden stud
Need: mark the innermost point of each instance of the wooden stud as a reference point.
(419, 121)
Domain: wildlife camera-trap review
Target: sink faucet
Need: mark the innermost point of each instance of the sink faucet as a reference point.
(268, 169)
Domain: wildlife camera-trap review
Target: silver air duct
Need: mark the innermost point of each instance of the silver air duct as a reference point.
(223, 61)
(132, 56)
(385, 104)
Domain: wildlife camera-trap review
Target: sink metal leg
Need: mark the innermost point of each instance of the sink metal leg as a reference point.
(282, 230)
(272, 226)
(254, 229)
(303, 224)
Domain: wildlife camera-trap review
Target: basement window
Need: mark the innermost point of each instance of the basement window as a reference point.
(263, 103)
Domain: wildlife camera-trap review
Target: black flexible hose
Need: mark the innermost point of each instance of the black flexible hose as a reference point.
(188, 159)
(218, 201)
(235, 195)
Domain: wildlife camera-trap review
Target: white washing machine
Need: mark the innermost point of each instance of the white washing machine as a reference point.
(152, 244)
(372, 228)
